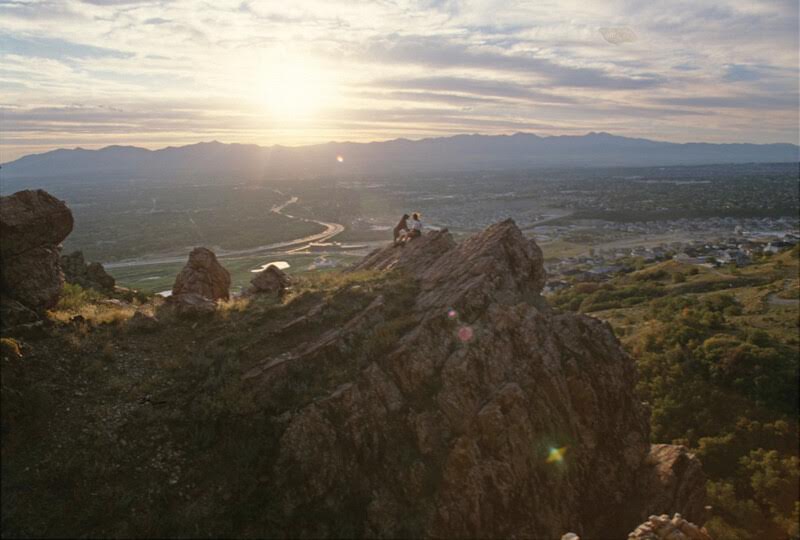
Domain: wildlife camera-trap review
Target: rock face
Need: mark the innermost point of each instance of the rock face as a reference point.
(271, 280)
(192, 305)
(674, 528)
(661, 527)
(91, 275)
(32, 225)
(675, 483)
(492, 417)
(203, 275)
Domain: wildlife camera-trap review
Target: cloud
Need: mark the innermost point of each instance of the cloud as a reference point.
(736, 73)
(157, 20)
(39, 47)
(442, 52)
(746, 102)
(618, 35)
(479, 87)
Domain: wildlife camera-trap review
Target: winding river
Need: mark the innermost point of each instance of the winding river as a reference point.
(331, 230)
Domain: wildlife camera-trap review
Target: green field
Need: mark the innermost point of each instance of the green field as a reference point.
(154, 278)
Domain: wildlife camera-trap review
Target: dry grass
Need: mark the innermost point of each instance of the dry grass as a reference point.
(10, 348)
(94, 314)
(235, 305)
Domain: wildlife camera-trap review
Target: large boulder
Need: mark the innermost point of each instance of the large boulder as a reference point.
(271, 280)
(493, 416)
(32, 225)
(203, 275)
(91, 275)
(30, 219)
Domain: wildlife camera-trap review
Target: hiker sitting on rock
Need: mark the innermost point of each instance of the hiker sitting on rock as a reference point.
(416, 228)
(400, 228)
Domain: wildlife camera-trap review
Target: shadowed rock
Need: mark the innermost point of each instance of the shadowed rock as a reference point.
(143, 323)
(670, 528)
(413, 256)
(492, 417)
(91, 275)
(30, 219)
(675, 483)
(271, 280)
(32, 225)
(191, 305)
(203, 275)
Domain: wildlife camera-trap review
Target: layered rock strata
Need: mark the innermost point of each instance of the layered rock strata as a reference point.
(493, 416)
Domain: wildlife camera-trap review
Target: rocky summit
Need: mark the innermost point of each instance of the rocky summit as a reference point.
(491, 416)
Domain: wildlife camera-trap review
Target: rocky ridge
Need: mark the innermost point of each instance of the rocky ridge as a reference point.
(447, 400)
(490, 416)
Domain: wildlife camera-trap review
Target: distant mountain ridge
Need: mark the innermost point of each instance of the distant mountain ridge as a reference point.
(456, 153)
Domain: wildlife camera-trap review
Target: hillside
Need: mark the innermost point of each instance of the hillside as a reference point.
(458, 153)
(427, 391)
(717, 352)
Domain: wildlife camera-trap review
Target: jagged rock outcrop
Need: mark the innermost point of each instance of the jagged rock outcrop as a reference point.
(411, 255)
(661, 527)
(664, 527)
(32, 225)
(91, 275)
(271, 280)
(675, 483)
(493, 416)
(203, 275)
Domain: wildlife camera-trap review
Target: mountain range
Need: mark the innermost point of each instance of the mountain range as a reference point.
(457, 154)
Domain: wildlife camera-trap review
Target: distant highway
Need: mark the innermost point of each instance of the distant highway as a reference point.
(331, 230)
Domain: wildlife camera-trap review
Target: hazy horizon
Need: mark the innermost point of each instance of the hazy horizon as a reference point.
(95, 73)
(152, 147)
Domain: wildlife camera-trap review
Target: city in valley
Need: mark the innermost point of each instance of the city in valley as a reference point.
(591, 222)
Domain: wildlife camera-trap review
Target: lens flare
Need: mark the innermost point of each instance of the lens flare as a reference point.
(340, 159)
(556, 455)
(452, 314)
(465, 334)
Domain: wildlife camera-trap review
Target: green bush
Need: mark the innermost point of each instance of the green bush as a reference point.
(73, 297)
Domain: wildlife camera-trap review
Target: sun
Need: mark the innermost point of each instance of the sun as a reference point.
(293, 88)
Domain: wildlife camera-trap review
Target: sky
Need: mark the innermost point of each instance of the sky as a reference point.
(155, 73)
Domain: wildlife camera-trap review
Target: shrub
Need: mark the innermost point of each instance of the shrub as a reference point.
(73, 297)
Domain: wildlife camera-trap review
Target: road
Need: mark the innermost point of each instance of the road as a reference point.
(331, 230)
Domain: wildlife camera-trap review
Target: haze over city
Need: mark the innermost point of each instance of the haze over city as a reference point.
(147, 73)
